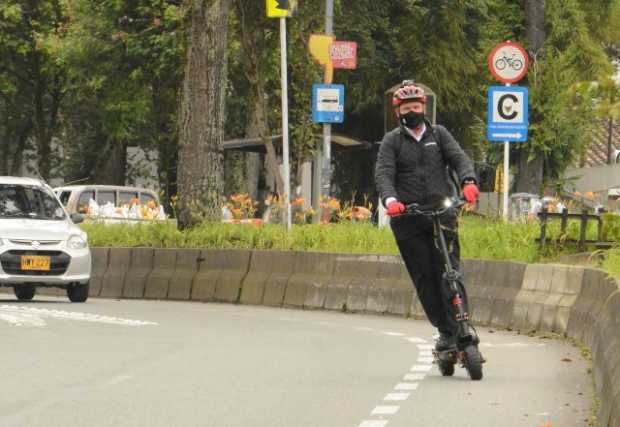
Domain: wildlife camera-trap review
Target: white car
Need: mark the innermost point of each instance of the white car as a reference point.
(40, 244)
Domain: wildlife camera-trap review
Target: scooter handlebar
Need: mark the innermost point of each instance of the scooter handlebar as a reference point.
(435, 208)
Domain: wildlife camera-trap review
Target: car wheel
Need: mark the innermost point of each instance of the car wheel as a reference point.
(78, 293)
(25, 292)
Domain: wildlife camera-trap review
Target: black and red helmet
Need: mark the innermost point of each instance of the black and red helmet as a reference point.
(408, 92)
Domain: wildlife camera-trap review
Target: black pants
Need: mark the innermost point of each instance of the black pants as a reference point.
(425, 263)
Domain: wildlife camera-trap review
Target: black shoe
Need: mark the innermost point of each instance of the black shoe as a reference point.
(445, 342)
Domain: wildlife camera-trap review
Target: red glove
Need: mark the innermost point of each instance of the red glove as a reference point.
(395, 209)
(471, 192)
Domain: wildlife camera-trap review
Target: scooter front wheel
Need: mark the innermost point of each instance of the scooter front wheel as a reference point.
(472, 360)
(445, 361)
(446, 368)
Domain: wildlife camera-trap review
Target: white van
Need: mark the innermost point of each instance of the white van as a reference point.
(76, 198)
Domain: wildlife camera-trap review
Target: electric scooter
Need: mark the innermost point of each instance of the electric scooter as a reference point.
(466, 351)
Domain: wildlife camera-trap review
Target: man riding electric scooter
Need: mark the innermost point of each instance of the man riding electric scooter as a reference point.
(413, 168)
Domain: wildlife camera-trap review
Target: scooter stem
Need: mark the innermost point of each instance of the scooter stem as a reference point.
(461, 315)
(442, 243)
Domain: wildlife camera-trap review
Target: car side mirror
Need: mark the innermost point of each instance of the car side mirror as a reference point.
(77, 218)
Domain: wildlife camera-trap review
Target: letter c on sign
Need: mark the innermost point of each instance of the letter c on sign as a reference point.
(501, 109)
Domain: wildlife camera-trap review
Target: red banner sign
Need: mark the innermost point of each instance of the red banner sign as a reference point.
(344, 55)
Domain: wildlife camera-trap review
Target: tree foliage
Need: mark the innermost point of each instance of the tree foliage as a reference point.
(99, 76)
(124, 67)
(32, 81)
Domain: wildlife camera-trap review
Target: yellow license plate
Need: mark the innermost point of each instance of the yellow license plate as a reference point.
(36, 262)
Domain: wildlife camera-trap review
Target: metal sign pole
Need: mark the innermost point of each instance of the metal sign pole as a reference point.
(506, 175)
(506, 180)
(326, 175)
(285, 151)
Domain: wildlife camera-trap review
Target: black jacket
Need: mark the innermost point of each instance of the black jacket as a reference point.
(415, 172)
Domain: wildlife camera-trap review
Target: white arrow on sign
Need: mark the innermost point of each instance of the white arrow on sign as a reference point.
(507, 135)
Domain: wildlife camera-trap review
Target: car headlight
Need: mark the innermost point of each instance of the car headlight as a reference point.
(76, 242)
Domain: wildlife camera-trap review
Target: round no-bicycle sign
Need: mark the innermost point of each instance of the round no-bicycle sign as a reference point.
(508, 62)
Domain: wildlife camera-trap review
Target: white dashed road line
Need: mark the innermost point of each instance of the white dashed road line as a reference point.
(410, 382)
(373, 423)
(393, 334)
(426, 346)
(385, 410)
(414, 377)
(406, 386)
(33, 316)
(396, 396)
(421, 368)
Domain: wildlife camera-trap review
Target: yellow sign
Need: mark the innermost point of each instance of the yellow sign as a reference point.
(321, 50)
(499, 179)
(278, 8)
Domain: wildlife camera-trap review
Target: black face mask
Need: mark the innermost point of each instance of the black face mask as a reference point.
(412, 120)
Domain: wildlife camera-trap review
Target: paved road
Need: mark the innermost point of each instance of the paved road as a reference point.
(146, 363)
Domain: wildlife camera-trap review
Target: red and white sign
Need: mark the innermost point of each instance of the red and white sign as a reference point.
(344, 55)
(508, 62)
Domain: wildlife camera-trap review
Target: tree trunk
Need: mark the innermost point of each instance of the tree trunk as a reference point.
(201, 123)
(254, 49)
(166, 145)
(13, 143)
(256, 127)
(42, 135)
(234, 172)
(535, 25)
(48, 91)
(112, 165)
(530, 176)
(18, 155)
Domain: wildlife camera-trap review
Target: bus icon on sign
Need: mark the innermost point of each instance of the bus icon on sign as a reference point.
(328, 103)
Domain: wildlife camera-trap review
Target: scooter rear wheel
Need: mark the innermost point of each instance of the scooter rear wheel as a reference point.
(473, 362)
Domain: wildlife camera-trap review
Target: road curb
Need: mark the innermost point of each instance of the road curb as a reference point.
(139, 269)
(180, 285)
(164, 264)
(100, 258)
(114, 277)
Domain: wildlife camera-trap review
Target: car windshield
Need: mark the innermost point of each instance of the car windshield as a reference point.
(29, 201)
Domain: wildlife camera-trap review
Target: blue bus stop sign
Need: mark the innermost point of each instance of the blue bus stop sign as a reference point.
(507, 114)
(327, 103)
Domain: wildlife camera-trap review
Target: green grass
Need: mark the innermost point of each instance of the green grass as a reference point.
(480, 238)
(355, 238)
